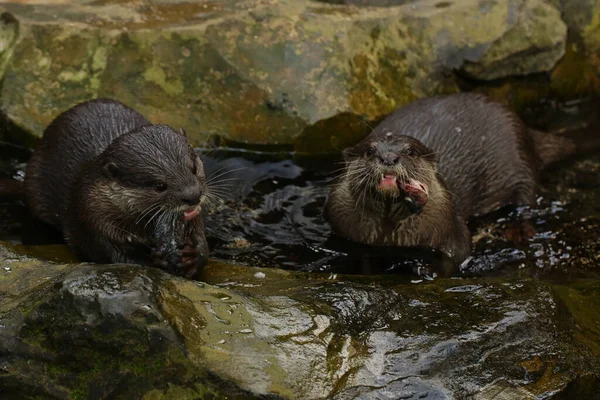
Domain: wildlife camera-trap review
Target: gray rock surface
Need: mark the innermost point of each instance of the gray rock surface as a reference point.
(298, 74)
(80, 331)
(9, 31)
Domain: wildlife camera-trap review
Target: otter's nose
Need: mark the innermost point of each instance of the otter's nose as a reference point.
(190, 196)
(389, 159)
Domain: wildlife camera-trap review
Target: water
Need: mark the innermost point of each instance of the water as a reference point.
(270, 216)
(275, 220)
(12, 210)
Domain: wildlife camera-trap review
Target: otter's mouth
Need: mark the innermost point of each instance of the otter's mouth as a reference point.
(388, 182)
(414, 192)
(190, 213)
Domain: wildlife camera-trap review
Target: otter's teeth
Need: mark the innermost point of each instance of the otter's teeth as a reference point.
(388, 181)
(190, 214)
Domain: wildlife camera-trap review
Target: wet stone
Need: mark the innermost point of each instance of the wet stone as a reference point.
(302, 75)
(115, 331)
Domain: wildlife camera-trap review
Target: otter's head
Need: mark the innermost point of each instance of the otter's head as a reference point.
(154, 175)
(390, 167)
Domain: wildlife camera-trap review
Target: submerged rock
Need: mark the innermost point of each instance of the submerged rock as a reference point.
(83, 331)
(299, 74)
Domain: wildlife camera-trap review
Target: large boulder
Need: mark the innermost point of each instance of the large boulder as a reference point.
(82, 331)
(301, 74)
(9, 31)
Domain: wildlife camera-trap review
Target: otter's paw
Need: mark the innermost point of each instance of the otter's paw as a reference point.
(519, 232)
(158, 259)
(189, 258)
(172, 261)
(183, 260)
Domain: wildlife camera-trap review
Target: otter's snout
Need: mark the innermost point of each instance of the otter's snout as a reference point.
(191, 195)
(389, 159)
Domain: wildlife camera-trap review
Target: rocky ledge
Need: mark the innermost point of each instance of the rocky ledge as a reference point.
(83, 331)
(299, 74)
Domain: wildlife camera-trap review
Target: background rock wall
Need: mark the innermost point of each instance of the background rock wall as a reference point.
(298, 74)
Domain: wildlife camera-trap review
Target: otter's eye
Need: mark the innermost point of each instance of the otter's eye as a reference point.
(370, 151)
(160, 187)
(410, 152)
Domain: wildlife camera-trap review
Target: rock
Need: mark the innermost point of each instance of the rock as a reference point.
(9, 31)
(535, 30)
(503, 390)
(87, 331)
(92, 333)
(579, 71)
(578, 14)
(290, 74)
(591, 36)
(375, 3)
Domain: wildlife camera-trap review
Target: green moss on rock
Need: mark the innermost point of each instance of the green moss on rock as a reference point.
(257, 74)
(591, 36)
(9, 32)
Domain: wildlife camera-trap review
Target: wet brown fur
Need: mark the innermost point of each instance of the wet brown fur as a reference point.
(486, 158)
(94, 176)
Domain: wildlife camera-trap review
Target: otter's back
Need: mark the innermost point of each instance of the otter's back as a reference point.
(484, 151)
(72, 139)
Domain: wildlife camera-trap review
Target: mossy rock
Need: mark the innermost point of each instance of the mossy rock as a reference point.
(288, 74)
(88, 331)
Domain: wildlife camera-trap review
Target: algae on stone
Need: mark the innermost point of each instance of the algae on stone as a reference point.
(534, 42)
(242, 73)
(9, 32)
(123, 330)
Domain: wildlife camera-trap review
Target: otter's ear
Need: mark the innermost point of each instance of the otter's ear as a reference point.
(111, 170)
(183, 132)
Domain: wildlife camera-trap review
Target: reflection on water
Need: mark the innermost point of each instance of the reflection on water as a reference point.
(269, 215)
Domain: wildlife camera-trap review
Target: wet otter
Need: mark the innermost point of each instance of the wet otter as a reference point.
(432, 164)
(122, 190)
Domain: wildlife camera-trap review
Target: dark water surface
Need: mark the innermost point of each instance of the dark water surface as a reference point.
(269, 215)
(277, 222)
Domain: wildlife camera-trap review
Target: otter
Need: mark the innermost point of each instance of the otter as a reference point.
(119, 188)
(431, 165)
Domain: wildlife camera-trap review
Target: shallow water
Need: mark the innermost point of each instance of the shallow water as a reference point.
(269, 215)
(279, 224)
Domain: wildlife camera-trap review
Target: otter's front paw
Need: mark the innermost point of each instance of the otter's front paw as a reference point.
(190, 258)
(519, 232)
(169, 260)
(161, 259)
(182, 261)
